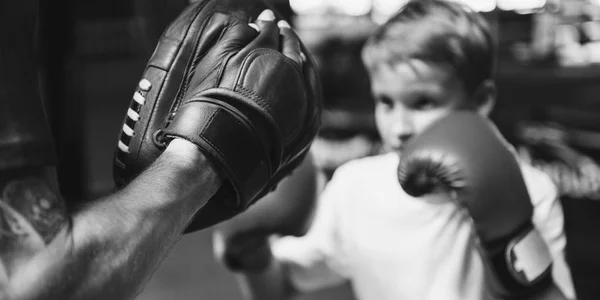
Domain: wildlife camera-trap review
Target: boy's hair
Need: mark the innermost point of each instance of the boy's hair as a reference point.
(439, 32)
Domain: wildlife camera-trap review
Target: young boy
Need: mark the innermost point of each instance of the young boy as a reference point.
(429, 59)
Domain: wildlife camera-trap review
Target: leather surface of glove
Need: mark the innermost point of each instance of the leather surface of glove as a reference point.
(217, 82)
(464, 156)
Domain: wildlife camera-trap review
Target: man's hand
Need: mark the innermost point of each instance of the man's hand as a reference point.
(246, 95)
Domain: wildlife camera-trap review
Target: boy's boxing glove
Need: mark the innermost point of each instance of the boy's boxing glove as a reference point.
(463, 155)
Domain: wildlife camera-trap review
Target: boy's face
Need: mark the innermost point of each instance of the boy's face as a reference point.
(411, 95)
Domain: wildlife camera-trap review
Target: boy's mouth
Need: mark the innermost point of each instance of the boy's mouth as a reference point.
(397, 148)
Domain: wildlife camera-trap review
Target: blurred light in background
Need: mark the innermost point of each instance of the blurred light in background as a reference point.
(308, 7)
(389, 6)
(383, 9)
(352, 7)
(521, 5)
(481, 5)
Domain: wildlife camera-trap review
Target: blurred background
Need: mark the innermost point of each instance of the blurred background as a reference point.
(549, 106)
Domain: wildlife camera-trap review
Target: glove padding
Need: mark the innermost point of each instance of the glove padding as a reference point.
(217, 82)
(464, 155)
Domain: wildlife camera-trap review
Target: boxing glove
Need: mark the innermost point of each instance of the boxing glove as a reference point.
(464, 156)
(241, 243)
(217, 82)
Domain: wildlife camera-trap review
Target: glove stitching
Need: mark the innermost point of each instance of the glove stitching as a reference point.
(240, 82)
(287, 60)
(198, 57)
(272, 52)
(295, 66)
(220, 70)
(266, 106)
(258, 99)
(195, 59)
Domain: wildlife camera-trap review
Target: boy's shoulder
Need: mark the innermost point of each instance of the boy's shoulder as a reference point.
(539, 184)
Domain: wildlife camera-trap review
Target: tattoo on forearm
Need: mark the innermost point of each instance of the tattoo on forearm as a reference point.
(31, 200)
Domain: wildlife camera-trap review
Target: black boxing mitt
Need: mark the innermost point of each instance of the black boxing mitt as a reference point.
(217, 82)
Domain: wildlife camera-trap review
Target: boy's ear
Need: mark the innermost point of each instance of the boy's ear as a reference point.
(485, 98)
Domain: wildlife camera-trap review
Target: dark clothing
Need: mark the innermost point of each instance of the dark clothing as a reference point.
(25, 137)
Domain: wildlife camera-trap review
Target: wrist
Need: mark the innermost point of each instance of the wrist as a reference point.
(253, 255)
(184, 154)
(193, 173)
(180, 182)
(189, 163)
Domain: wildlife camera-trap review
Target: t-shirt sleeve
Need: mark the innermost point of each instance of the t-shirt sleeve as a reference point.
(548, 218)
(314, 261)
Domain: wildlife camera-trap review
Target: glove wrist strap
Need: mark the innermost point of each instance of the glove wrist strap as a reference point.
(226, 137)
(522, 267)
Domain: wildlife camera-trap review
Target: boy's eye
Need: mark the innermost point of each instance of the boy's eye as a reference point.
(385, 101)
(424, 103)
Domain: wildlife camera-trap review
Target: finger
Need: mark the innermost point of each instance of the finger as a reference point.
(235, 37)
(253, 25)
(268, 31)
(265, 18)
(290, 43)
(210, 34)
(238, 35)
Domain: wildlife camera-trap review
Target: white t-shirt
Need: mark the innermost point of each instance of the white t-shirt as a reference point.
(393, 246)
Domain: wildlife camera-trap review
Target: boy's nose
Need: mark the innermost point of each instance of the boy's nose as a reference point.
(402, 128)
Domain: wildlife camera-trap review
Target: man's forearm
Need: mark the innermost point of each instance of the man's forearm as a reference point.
(113, 245)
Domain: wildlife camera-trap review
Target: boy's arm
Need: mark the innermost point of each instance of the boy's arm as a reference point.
(272, 283)
(109, 249)
(296, 268)
(548, 219)
(287, 265)
(551, 293)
